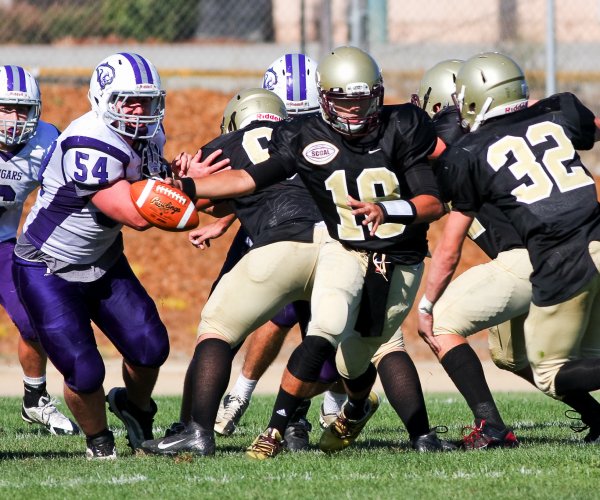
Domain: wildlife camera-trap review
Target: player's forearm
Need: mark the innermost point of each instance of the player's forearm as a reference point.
(442, 268)
(227, 184)
(428, 208)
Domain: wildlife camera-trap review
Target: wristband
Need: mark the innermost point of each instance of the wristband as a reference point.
(398, 211)
(188, 186)
(425, 306)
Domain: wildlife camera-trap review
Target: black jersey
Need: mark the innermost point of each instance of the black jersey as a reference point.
(526, 164)
(281, 212)
(490, 230)
(389, 164)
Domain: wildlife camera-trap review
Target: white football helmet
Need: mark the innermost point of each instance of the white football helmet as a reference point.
(293, 78)
(19, 88)
(119, 77)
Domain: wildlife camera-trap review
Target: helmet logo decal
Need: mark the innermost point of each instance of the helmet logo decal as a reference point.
(320, 153)
(105, 74)
(270, 80)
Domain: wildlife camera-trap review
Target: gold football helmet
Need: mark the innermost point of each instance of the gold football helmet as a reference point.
(350, 91)
(437, 86)
(251, 105)
(488, 85)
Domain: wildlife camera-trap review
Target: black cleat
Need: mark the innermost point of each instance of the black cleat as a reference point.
(194, 439)
(296, 435)
(101, 447)
(431, 442)
(137, 422)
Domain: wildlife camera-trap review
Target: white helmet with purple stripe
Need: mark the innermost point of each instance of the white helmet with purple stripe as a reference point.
(19, 88)
(118, 78)
(293, 78)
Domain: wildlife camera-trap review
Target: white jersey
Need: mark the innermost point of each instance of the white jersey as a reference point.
(19, 171)
(87, 157)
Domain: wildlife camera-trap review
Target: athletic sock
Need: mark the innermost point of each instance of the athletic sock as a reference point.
(464, 368)
(285, 406)
(244, 387)
(579, 375)
(34, 389)
(333, 401)
(211, 369)
(402, 387)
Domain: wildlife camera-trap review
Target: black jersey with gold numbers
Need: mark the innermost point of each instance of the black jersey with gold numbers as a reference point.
(282, 212)
(390, 163)
(526, 164)
(491, 230)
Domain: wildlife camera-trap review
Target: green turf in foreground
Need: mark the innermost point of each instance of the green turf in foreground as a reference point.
(551, 463)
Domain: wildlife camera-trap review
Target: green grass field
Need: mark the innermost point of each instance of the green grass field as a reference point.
(552, 461)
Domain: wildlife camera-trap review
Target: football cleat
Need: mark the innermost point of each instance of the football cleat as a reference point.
(175, 428)
(101, 447)
(46, 414)
(343, 431)
(431, 442)
(137, 422)
(296, 436)
(266, 445)
(593, 436)
(194, 439)
(484, 436)
(326, 419)
(230, 412)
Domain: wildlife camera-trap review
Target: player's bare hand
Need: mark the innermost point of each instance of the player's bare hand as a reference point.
(372, 212)
(198, 168)
(181, 164)
(200, 237)
(425, 329)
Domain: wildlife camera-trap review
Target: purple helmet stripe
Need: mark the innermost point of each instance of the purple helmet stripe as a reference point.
(302, 76)
(295, 67)
(10, 83)
(140, 66)
(22, 81)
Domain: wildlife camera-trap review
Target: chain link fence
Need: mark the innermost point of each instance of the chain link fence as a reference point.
(226, 44)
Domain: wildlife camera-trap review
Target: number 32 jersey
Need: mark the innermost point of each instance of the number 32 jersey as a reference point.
(86, 157)
(526, 164)
(389, 164)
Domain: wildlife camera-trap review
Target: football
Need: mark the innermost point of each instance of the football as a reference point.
(163, 205)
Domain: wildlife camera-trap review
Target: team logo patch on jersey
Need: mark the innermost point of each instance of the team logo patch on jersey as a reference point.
(320, 153)
(105, 74)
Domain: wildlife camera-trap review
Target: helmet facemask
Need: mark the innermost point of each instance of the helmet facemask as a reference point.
(354, 113)
(16, 131)
(142, 126)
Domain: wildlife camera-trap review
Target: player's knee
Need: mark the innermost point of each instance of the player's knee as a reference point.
(308, 358)
(286, 317)
(86, 375)
(151, 350)
(329, 373)
(544, 377)
(326, 323)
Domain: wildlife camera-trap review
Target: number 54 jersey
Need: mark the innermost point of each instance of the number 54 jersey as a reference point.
(85, 158)
(526, 164)
(391, 163)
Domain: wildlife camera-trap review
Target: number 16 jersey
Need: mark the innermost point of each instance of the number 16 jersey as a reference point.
(389, 164)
